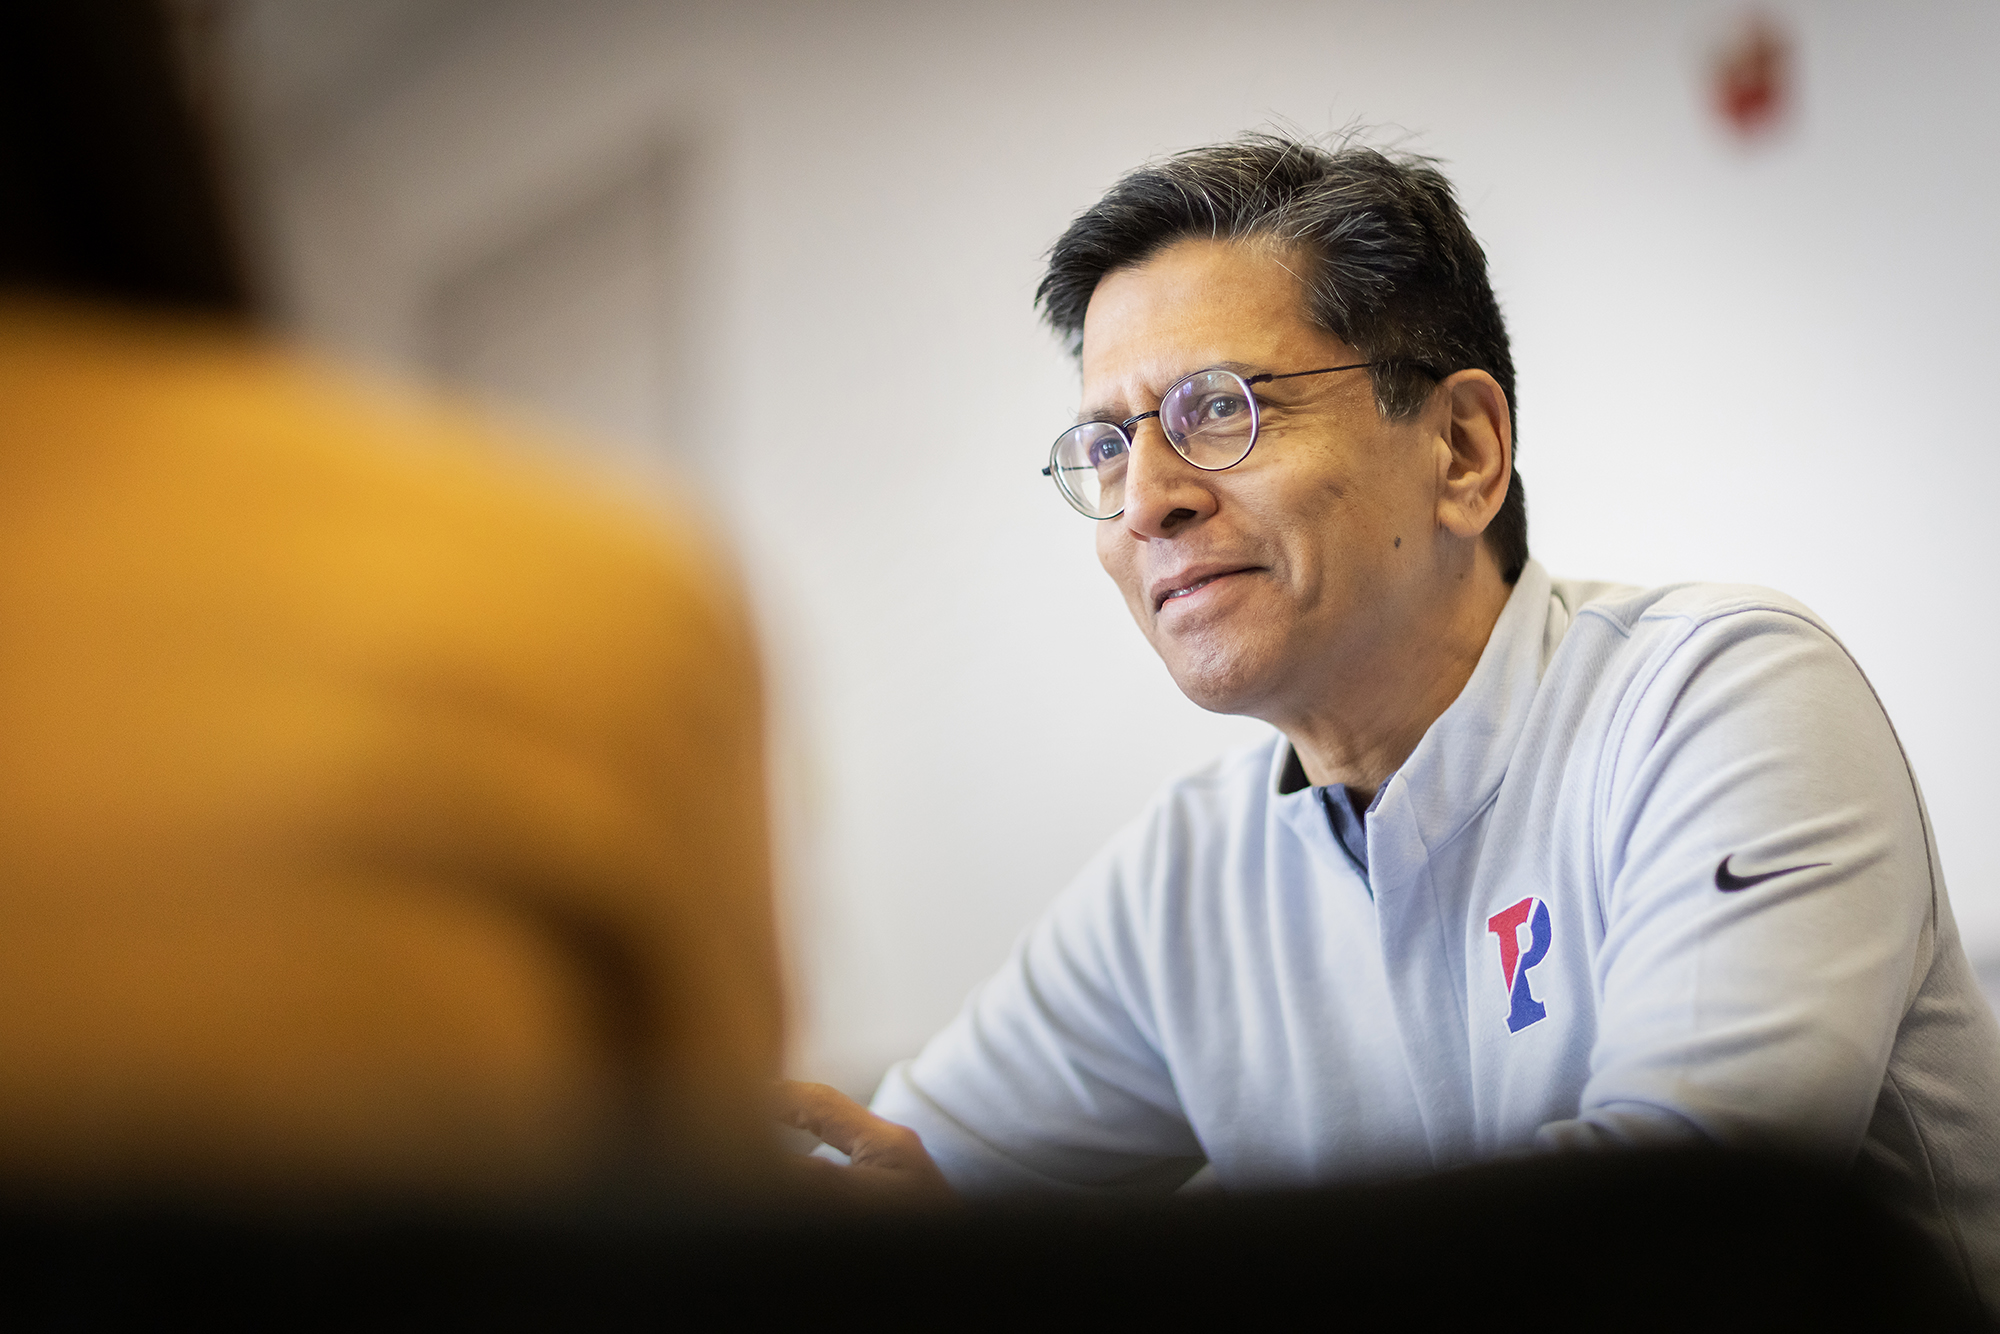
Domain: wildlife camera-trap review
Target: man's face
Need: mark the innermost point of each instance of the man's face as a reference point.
(1265, 585)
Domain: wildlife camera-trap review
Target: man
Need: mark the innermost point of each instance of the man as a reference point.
(1530, 864)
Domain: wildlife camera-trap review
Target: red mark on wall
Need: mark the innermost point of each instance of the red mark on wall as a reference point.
(1752, 83)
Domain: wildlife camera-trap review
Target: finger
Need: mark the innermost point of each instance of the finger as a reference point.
(924, 1187)
(827, 1112)
(884, 1144)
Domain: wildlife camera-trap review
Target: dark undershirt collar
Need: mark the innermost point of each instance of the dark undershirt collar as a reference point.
(1350, 830)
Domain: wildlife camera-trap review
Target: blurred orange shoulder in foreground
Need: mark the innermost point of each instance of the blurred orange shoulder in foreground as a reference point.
(374, 815)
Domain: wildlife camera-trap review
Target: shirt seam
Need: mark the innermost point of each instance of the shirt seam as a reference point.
(1696, 622)
(1924, 1151)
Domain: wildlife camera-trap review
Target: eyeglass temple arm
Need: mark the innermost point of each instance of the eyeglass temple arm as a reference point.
(1354, 366)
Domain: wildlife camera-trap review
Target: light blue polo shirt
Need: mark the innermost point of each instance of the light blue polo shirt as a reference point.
(1660, 874)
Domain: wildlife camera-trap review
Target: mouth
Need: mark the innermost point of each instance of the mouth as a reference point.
(1176, 592)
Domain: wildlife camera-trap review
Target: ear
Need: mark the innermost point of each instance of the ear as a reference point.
(1475, 454)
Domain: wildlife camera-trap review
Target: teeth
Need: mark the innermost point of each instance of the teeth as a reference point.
(1183, 592)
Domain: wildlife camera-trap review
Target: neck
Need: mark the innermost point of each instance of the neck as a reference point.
(1360, 727)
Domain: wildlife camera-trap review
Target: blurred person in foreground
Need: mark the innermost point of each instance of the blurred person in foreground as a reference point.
(1530, 864)
(377, 817)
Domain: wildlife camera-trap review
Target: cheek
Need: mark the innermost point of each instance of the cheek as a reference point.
(1383, 490)
(1108, 553)
(1116, 557)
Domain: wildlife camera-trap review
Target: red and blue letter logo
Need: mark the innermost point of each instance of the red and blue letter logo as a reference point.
(1514, 965)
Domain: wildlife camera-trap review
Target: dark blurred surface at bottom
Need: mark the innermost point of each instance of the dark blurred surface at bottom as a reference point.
(1639, 1242)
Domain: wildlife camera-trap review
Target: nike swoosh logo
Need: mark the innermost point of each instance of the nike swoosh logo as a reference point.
(1729, 883)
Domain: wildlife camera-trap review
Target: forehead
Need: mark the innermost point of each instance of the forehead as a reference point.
(1197, 303)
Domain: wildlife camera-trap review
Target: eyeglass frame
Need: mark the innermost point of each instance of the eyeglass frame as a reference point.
(1124, 428)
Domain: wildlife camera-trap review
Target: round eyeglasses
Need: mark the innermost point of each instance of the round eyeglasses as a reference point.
(1209, 417)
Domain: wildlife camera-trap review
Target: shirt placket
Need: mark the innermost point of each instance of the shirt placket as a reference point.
(1425, 982)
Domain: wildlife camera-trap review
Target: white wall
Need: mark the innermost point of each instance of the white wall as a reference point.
(1767, 364)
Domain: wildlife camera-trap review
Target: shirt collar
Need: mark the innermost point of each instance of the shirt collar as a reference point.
(1461, 759)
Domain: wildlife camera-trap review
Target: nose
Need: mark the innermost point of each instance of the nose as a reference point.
(1164, 493)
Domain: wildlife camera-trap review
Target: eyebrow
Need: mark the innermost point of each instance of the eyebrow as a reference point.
(1242, 368)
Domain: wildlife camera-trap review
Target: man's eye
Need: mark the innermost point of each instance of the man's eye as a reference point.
(1106, 450)
(1220, 407)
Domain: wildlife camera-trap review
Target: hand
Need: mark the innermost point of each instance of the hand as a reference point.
(887, 1163)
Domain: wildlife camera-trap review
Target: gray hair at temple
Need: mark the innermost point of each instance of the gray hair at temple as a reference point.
(1391, 269)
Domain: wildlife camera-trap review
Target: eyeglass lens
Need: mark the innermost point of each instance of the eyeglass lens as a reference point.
(1209, 417)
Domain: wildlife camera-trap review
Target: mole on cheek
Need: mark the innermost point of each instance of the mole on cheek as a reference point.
(1399, 541)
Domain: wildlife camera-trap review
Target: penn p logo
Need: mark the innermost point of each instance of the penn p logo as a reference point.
(1523, 1008)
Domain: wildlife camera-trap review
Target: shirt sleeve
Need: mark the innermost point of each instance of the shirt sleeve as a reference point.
(1051, 1078)
(1768, 897)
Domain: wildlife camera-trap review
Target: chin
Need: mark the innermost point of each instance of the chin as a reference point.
(1220, 683)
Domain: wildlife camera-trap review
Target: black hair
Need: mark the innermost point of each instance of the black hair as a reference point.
(107, 188)
(1393, 270)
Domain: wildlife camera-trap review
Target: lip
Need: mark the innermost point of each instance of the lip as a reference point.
(1192, 579)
